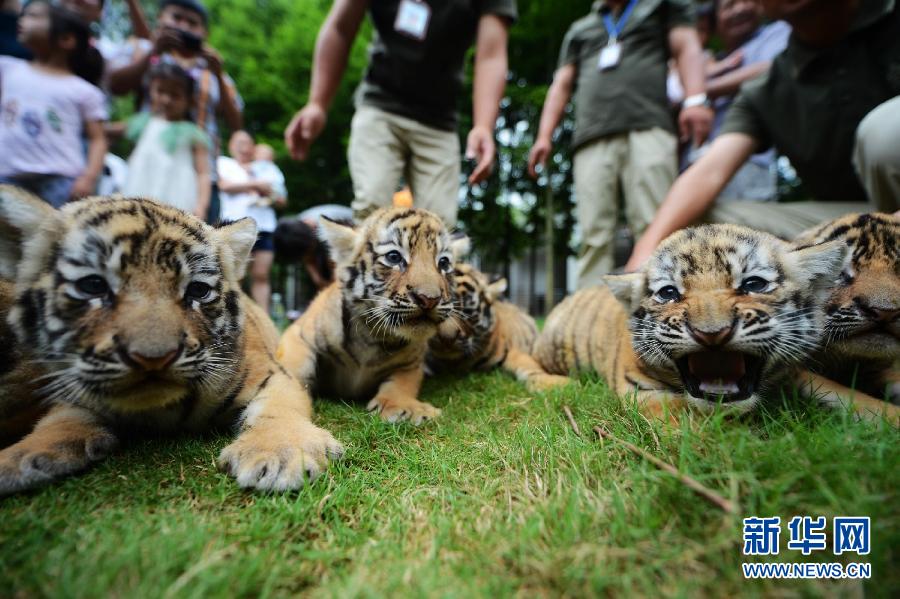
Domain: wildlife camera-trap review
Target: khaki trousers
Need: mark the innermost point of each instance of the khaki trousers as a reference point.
(877, 161)
(384, 146)
(644, 164)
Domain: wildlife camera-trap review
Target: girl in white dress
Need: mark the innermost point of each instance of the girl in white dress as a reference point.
(170, 162)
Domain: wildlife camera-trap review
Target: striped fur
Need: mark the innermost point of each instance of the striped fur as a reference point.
(364, 337)
(135, 311)
(19, 406)
(488, 333)
(720, 316)
(862, 323)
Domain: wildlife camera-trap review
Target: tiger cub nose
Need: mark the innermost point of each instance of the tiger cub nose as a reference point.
(154, 363)
(712, 338)
(425, 302)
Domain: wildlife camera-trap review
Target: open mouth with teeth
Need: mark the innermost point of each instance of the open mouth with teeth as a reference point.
(720, 375)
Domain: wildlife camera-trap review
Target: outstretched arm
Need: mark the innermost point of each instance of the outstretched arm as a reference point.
(694, 192)
(695, 121)
(554, 106)
(330, 60)
(490, 81)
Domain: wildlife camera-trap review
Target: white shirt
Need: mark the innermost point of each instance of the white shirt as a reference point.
(236, 206)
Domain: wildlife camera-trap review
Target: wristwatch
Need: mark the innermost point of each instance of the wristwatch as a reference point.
(696, 100)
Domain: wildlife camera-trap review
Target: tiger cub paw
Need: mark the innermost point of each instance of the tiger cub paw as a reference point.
(44, 456)
(543, 382)
(280, 457)
(401, 409)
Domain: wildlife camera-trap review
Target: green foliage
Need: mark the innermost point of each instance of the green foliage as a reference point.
(498, 497)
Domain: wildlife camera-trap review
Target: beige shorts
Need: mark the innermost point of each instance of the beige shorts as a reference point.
(385, 147)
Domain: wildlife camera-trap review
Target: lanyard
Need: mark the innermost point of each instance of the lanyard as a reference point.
(614, 29)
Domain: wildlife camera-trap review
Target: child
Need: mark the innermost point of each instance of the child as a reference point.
(171, 160)
(48, 107)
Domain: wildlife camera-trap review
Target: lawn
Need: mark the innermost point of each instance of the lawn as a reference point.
(498, 497)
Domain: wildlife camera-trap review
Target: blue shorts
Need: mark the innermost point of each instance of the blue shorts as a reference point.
(265, 242)
(53, 189)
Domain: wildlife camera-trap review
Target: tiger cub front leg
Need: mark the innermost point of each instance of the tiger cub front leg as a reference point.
(527, 370)
(396, 399)
(834, 394)
(279, 448)
(660, 405)
(66, 440)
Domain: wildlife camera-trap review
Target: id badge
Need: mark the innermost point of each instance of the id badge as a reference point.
(412, 20)
(609, 56)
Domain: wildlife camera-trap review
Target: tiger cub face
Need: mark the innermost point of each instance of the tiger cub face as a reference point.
(728, 310)
(395, 270)
(129, 303)
(863, 308)
(474, 297)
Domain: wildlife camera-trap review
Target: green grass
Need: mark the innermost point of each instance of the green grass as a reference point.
(498, 497)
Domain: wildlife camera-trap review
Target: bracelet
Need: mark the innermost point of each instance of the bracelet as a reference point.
(695, 100)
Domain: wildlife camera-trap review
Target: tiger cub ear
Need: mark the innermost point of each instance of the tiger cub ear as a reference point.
(820, 265)
(341, 239)
(238, 237)
(460, 247)
(496, 289)
(628, 288)
(22, 216)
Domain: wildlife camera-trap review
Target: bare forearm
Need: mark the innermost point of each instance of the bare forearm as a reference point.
(691, 65)
(231, 187)
(229, 106)
(139, 26)
(204, 184)
(730, 83)
(128, 78)
(330, 61)
(491, 66)
(96, 152)
(554, 107)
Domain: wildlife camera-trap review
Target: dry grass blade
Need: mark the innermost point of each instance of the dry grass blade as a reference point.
(571, 420)
(692, 483)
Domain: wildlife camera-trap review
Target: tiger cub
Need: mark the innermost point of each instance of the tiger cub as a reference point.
(135, 311)
(719, 317)
(19, 374)
(364, 337)
(862, 325)
(488, 333)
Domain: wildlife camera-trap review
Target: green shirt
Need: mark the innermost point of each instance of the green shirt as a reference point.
(631, 96)
(812, 100)
(422, 79)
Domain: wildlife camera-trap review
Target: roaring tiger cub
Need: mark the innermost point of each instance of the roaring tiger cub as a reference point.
(364, 337)
(488, 333)
(862, 326)
(720, 316)
(135, 310)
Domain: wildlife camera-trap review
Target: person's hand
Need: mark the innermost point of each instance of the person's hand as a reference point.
(303, 129)
(201, 214)
(263, 188)
(539, 153)
(213, 60)
(730, 62)
(83, 187)
(480, 147)
(695, 123)
(166, 40)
